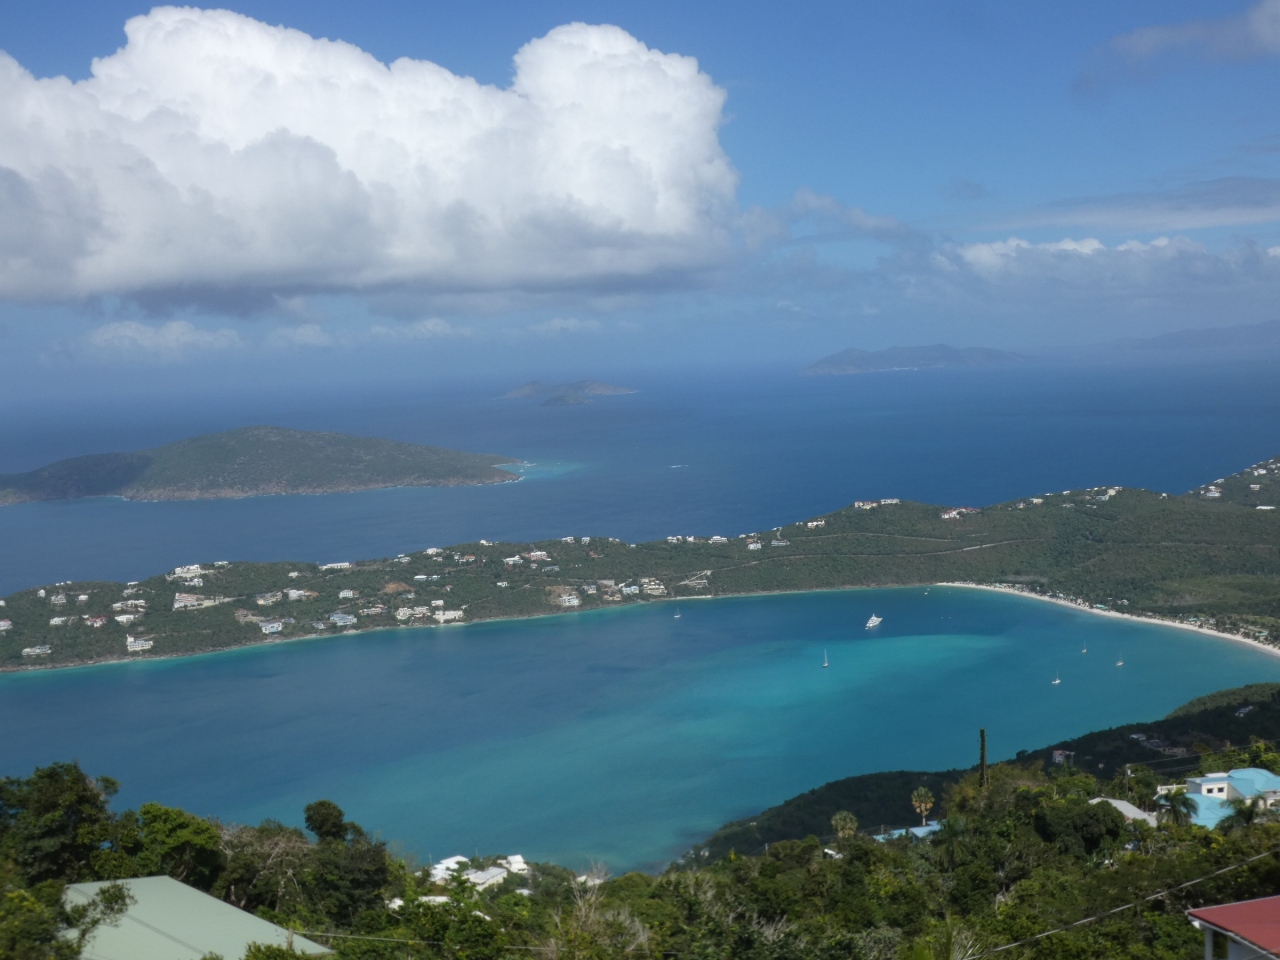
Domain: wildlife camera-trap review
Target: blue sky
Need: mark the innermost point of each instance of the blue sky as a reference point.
(826, 175)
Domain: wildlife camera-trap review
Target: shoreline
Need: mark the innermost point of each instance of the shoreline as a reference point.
(1256, 644)
(33, 668)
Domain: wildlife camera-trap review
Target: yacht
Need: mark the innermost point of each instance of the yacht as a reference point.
(825, 663)
(1120, 662)
(677, 616)
(1057, 680)
(874, 621)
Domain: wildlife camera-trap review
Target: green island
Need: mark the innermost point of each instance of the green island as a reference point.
(253, 461)
(1016, 855)
(1208, 559)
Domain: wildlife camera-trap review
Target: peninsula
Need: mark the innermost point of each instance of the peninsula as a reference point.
(1209, 559)
(940, 355)
(254, 461)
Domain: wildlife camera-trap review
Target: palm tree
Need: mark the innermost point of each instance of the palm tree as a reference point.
(1246, 811)
(1178, 807)
(953, 838)
(922, 800)
(845, 824)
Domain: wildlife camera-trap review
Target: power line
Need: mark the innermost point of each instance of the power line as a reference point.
(1114, 910)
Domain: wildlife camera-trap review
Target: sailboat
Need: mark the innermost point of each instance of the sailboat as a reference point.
(874, 621)
(825, 662)
(1120, 662)
(677, 616)
(1057, 679)
(1085, 648)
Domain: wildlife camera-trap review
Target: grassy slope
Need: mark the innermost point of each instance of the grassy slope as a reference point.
(884, 798)
(1137, 551)
(254, 460)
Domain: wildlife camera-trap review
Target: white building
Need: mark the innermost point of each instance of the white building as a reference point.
(443, 870)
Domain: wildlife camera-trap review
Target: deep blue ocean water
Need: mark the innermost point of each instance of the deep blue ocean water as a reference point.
(620, 736)
(695, 455)
(624, 735)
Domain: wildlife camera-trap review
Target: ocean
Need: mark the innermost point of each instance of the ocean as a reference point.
(713, 455)
(625, 736)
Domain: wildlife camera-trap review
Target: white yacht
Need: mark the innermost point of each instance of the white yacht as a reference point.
(825, 662)
(874, 621)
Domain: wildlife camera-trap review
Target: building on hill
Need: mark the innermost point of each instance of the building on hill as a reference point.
(1128, 810)
(169, 920)
(1251, 928)
(1213, 791)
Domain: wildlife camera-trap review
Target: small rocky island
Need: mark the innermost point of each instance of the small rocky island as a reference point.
(938, 356)
(254, 461)
(566, 394)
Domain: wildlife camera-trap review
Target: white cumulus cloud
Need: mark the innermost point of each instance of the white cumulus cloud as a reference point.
(214, 155)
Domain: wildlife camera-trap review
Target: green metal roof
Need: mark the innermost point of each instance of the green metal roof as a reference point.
(171, 921)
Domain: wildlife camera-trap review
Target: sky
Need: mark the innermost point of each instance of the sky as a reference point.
(354, 192)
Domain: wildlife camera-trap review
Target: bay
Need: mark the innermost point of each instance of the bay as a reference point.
(618, 736)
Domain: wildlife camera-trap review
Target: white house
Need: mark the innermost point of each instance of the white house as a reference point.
(444, 869)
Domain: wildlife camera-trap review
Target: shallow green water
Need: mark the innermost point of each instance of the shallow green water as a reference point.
(621, 736)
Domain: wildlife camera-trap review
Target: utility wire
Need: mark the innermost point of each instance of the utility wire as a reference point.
(1114, 910)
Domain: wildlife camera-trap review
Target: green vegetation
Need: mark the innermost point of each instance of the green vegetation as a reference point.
(1021, 854)
(250, 462)
(1198, 733)
(1186, 559)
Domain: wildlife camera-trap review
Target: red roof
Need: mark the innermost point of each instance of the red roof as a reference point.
(1255, 921)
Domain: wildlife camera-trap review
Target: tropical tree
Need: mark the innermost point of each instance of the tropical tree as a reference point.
(1177, 807)
(845, 825)
(1245, 812)
(922, 801)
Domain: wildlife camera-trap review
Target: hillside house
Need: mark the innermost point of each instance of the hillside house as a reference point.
(1213, 791)
(168, 919)
(271, 626)
(1250, 928)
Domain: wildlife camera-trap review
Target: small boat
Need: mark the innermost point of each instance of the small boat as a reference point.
(1084, 649)
(825, 662)
(1120, 662)
(1057, 679)
(874, 621)
(677, 616)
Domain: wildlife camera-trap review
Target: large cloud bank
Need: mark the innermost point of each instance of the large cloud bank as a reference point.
(214, 154)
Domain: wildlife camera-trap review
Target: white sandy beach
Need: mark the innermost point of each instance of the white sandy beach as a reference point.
(1266, 648)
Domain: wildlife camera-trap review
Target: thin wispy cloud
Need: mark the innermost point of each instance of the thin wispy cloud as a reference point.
(175, 340)
(1245, 36)
(1208, 204)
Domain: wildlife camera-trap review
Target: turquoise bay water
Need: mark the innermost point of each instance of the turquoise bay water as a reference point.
(620, 736)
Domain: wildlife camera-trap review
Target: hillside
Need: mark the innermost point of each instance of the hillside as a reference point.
(253, 461)
(937, 356)
(1185, 559)
(1171, 745)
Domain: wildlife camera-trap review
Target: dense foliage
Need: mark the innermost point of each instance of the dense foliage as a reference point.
(1019, 853)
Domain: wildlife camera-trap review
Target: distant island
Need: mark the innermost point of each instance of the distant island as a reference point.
(566, 394)
(937, 356)
(253, 461)
(1208, 559)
